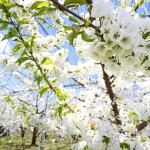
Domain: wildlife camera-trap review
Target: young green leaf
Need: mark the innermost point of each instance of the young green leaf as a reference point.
(125, 146)
(11, 6)
(3, 21)
(16, 48)
(14, 14)
(38, 79)
(86, 37)
(67, 27)
(44, 10)
(21, 60)
(43, 89)
(3, 26)
(39, 4)
(47, 61)
(144, 60)
(2, 6)
(54, 81)
(11, 33)
(146, 35)
(71, 37)
(141, 2)
(76, 28)
(75, 2)
(60, 110)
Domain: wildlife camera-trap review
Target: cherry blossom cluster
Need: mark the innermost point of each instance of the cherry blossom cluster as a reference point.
(119, 41)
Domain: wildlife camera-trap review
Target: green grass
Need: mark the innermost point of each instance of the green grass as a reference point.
(16, 143)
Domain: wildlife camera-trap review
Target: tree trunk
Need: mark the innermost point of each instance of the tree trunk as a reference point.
(34, 136)
(23, 131)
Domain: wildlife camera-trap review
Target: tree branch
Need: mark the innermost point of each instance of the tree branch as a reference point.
(111, 94)
(136, 7)
(142, 125)
(61, 7)
(78, 82)
(35, 61)
(29, 104)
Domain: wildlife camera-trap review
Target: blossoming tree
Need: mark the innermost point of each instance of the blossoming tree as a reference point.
(112, 44)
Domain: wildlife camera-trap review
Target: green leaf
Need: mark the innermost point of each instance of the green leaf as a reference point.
(2, 6)
(39, 4)
(75, 2)
(60, 110)
(141, 2)
(86, 37)
(8, 99)
(47, 61)
(65, 112)
(43, 89)
(38, 79)
(76, 28)
(54, 81)
(3, 21)
(73, 19)
(31, 38)
(11, 6)
(144, 60)
(11, 33)
(143, 139)
(16, 48)
(58, 91)
(67, 27)
(5, 1)
(125, 146)
(134, 117)
(146, 35)
(62, 96)
(106, 140)
(71, 37)
(24, 21)
(44, 10)
(3, 26)
(21, 60)
(14, 15)
(27, 121)
(28, 65)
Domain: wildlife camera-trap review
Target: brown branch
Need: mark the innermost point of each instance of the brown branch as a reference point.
(142, 125)
(47, 81)
(29, 104)
(136, 7)
(71, 6)
(61, 7)
(111, 94)
(81, 100)
(113, 80)
(78, 82)
(70, 107)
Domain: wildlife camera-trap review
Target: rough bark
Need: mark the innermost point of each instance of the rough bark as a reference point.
(111, 94)
(34, 136)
